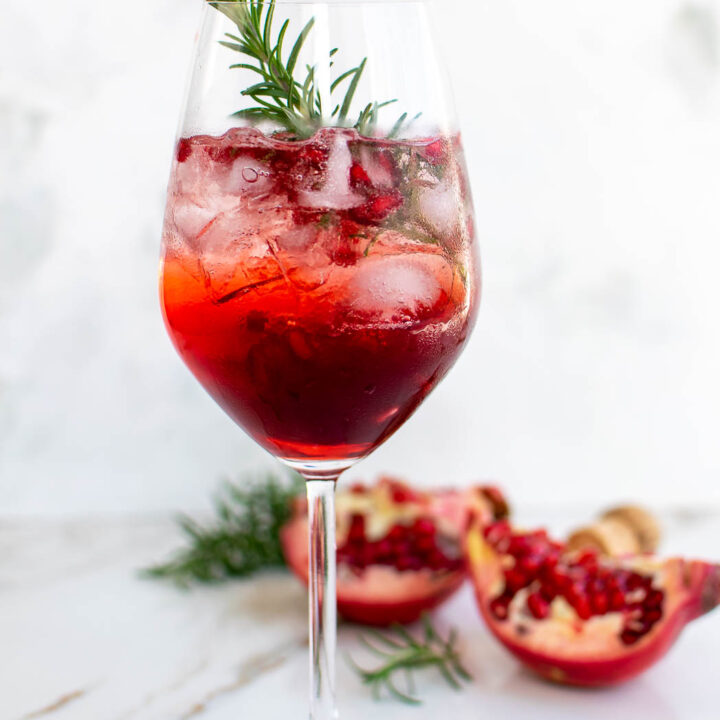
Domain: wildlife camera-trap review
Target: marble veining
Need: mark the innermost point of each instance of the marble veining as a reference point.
(84, 638)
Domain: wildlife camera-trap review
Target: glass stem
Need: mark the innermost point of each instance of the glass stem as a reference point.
(323, 602)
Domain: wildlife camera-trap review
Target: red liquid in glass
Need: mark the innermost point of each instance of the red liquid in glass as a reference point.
(318, 290)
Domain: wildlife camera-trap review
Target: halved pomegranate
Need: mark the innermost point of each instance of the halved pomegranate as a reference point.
(399, 549)
(579, 618)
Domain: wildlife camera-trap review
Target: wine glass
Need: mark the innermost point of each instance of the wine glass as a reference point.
(319, 273)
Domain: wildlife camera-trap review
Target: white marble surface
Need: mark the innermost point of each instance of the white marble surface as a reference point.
(82, 638)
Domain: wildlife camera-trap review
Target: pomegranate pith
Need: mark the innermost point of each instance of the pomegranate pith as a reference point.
(580, 618)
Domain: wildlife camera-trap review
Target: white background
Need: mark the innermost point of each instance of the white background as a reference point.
(593, 138)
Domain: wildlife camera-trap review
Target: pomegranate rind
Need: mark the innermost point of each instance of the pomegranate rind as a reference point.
(589, 653)
(379, 595)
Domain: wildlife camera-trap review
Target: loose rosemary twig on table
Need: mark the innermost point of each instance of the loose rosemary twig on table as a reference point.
(243, 538)
(400, 651)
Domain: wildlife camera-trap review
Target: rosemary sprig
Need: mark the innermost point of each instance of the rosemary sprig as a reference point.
(283, 97)
(401, 652)
(243, 538)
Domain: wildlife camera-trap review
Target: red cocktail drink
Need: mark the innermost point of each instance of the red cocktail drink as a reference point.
(318, 289)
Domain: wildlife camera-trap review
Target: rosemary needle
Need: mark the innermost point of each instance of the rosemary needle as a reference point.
(243, 538)
(400, 652)
(285, 94)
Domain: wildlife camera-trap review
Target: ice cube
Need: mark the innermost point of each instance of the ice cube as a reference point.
(197, 197)
(190, 217)
(442, 208)
(194, 174)
(396, 288)
(297, 239)
(224, 237)
(233, 254)
(300, 251)
(336, 192)
(377, 164)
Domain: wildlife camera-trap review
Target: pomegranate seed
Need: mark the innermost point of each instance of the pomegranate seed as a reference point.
(629, 637)
(184, 150)
(435, 152)
(515, 580)
(496, 532)
(350, 230)
(652, 616)
(358, 489)
(437, 561)
(519, 545)
(616, 601)
(622, 577)
(344, 255)
(358, 176)
(223, 156)
(367, 555)
(416, 563)
(357, 529)
(635, 610)
(599, 604)
(400, 494)
(582, 608)
(654, 600)
(378, 208)
(635, 582)
(576, 596)
(386, 161)
(403, 563)
(538, 536)
(529, 564)
(383, 550)
(611, 582)
(500, 606)
(425, 544)
(560, 579)
(640, 625)
(538, 606)
(423, 526)
(587, 557)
